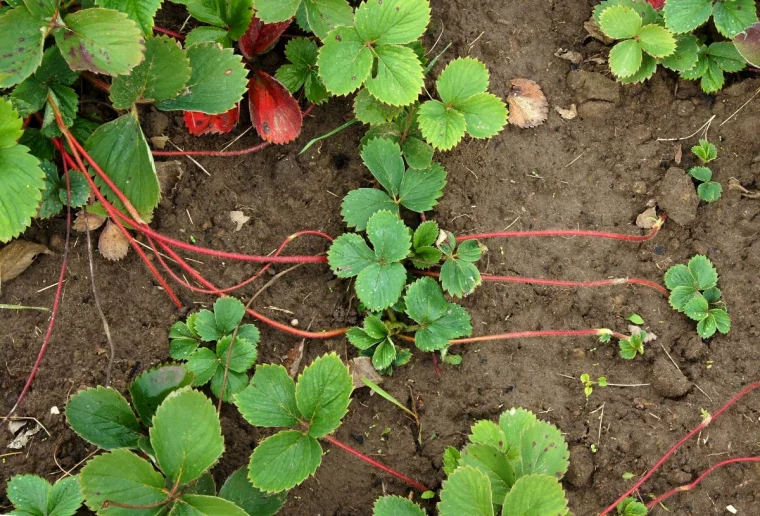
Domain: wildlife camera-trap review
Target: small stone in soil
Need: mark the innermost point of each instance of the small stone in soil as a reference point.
(668, 381)
(678, 197)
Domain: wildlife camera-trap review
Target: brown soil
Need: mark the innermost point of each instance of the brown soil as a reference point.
(597, 171)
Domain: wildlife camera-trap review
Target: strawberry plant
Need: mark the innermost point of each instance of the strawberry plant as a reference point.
(652, 34)
(694, 292)
(218, 327)
(32, 495)
(513, 467)
(588, 384)
(184, 441)
(708, 190)
(631, 507)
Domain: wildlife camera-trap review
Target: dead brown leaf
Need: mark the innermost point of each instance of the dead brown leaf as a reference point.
(734, 184)
(595, 32)
(569, 55)
(567, 114)
(90, 221)
(677, 152)
(295, 356)
(527, 104)
(647, 219)
(17, 256)
(239, 218)
(113, 245)
(361, 367)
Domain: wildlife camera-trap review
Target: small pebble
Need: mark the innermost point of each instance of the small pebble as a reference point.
(294, 322)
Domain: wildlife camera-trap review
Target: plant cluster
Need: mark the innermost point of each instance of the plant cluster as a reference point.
(694, 292)
(647, 37)
(513, 467)
(707, 190)
(217, 327)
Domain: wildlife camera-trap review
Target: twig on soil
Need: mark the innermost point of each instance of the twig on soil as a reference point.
(96, 298)
(671, 358)
(705, 127)
(28, 418)
(740, 108)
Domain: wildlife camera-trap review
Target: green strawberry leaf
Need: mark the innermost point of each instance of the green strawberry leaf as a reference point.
(243, 354)
(645, 72)
(236, 383)
(238, 489)
(324, 15)
(186, 436)
(709, 191)
(101, 41)
(234, 16)
(451, 458)
(686, 55)
(103, 417)
(302, 72)
(284, 460)
(396, 506)
(349, 255)
(626, 58)
(208, 34)
(426, 234)
(142, 12)
(514, 422)
(712, 295)
(398, 79)
(383, 158)
(162, 75)
(360, 204)
(270, 399)
(202, 363)
(371, 111)
(619, 22)
(425, 257)
(703, 272)
(272, 11)
(380, 285)
(470, 251)
(700, 173)
(627, 349)
(203, 505)
(631, 507)
(120, 148)
(656, 41)
(734, 16)
(485, 115)
(41, 8)
(543, 450)
(706, 152)
(722, 320)
(153, 386)
(439, 320)
(55, 197)
(725, 55)
(707, 327)
(687, 15)
(217, 81)
(442, 127)
(697, 308)
(228, 312)
(489, 433)
(466, 491)
(32, 495)
(384, 355)
(494, 464)
(344, 61)
(421, 189)
(459, 277)
(392, 22)
(22, 54)
(461, 79)
(642, 7)
(323, 392)
(183, 341)
(533, 495)
(417, 153)
(67, 101)
(123, 477)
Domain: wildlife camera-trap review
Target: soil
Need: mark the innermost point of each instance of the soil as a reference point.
(597, 171)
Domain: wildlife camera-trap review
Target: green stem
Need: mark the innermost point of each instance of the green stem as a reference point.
(21, 307)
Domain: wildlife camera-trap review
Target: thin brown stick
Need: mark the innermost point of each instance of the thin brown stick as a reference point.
(103, 320)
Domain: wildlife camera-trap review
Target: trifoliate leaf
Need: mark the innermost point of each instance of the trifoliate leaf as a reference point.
(398, 78)
(706, 152)
(685, 282)
(20, 55)
(302, 72)
(748, 44)
(459, 277)
(162, 75)
(466, 491)
(439, 320)
(533, 495)
(103, 417)
(217, 81)
(687, 15)
(186, 436)
(619, 22)
(203, 363)
(141, 12)
(32, 495)
(120, 148)
(396, 506)
(493, 462)
(123, 477)
(656, 41)
(323, 392)
(392, 22)
(700, 173)
(153, 386)
(710, 191)
(283, 461)
(253, 501)
(344, 61)
(101, 41)
(542, 450)
(417, 153)
(270, 399)
(55, 196)
(734, 16)
(383, 158)
(625, 58)
(685, 56)
(627, 349)
(713, 78)
(371, 111)
(421, 189)
(182, 341)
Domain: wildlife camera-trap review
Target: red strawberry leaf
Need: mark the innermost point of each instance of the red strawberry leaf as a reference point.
(260, 37)
(657, 4)
(274, 111)
(200, 123)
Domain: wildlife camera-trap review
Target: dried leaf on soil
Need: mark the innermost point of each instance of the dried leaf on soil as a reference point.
(113, 245)
(635, 330)
(239, 218)
(17, 256)
(295, 356)
(569, 55)
(527, 104)
(677, 152)
(85, 221)
(596, 33)
(361, 367)
(23, 438)
(734, 184)
(647, 219)
(567, 114)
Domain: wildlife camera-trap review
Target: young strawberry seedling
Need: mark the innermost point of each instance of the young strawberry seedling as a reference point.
(694, 292)
(708, 190)
(588, 384)
(207, 365)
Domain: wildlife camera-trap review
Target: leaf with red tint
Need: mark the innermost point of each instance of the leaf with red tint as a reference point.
(274, 111)
(748, 44)
(260, 37)
(657, 4)
(201, 123)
